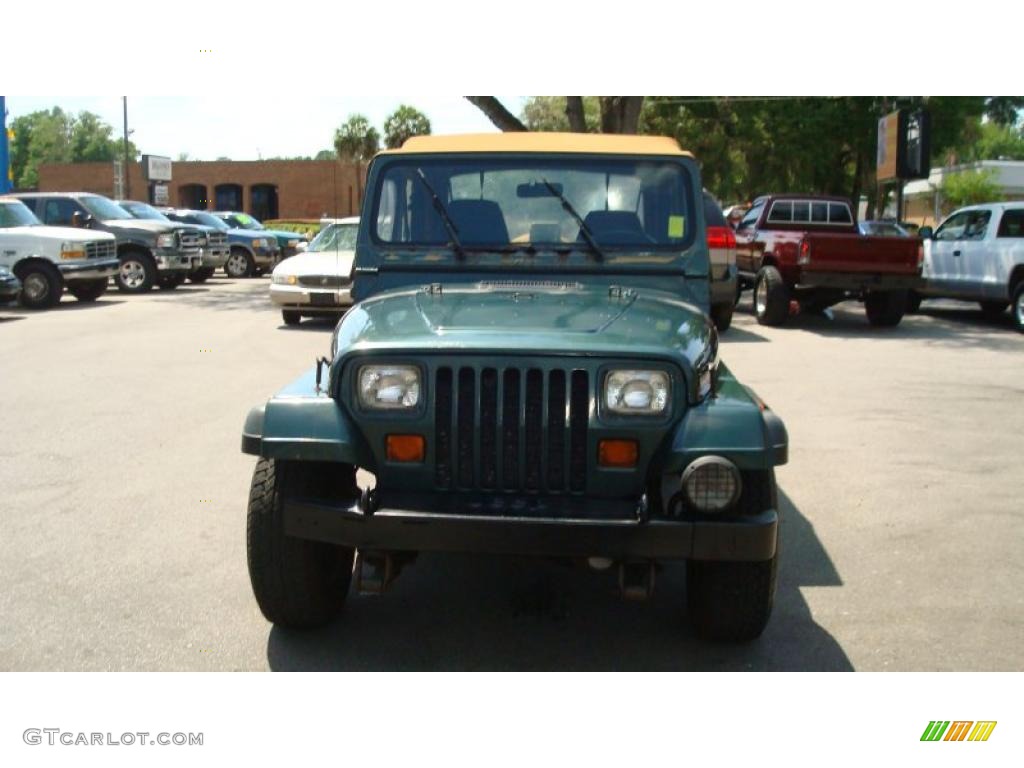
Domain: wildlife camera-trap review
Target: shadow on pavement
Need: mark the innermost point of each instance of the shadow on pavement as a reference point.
(472, 612)
(740, 336)
(949, 324)
(321, 324)
(67, 304)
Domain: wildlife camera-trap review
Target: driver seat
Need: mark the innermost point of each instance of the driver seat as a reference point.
(625, 225)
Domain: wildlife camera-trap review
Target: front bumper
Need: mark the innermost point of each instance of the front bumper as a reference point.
(214, 257)
(310, 299)
(170, 260)
(89, 270)
(266, 257)
(750, 538)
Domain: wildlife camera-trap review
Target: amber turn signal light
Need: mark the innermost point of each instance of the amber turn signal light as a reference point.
(406, 447)
(617, 453)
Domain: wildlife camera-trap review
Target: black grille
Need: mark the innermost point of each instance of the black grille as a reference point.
(512, 429)
(323, 281)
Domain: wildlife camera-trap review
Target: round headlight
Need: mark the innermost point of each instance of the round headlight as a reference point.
(389, 386)
(711, 484)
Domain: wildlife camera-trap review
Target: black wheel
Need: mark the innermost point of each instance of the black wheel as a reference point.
(732, 601)
(170, 282)
(291, 317)
(1018, 306)
(137, 273)
(239, 264)
(914, 300)
(993, 310)
(771, 297)
(297, 583)
(201, 275)
(722, 315)
(739, 293)
(88, 290)
(885, 309)
(41, 285)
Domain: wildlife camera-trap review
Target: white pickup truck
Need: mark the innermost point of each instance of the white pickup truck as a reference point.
(48, 259)
(977, 254)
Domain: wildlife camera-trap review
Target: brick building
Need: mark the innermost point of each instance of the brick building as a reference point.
(267, 189)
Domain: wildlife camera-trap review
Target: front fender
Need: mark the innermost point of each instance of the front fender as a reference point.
(301, 423)
(735, 424)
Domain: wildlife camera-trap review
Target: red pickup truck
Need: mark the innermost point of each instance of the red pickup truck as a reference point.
(807, 249)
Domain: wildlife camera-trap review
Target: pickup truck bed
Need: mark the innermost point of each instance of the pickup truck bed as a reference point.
(800, 264)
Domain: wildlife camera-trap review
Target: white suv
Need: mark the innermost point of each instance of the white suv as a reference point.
(46, 259)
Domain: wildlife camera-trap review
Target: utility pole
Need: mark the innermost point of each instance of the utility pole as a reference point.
(127, 175)
(5, 156)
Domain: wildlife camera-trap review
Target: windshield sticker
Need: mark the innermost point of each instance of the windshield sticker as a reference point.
(676, 226)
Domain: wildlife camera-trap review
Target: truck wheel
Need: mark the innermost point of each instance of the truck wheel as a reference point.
(993, 310)
(771, 297)
(137, 272)
(297, 583)
(1018, 306)
(88, 290)
(885, 308)
(201, 275)
(291, 317)
(239, 264)
(41, 285)
(914, 300)
(732, 601)
(722, 315)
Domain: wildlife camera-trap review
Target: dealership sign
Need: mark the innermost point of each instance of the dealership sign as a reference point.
(156, 168)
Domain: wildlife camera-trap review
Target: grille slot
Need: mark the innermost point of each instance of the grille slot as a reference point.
(103, 249)
(511, 429)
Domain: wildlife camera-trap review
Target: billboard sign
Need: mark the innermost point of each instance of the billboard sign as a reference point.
(156, 168)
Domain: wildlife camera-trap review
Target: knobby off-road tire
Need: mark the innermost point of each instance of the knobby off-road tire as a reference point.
(41, 285)
(88, 290)
(771, 297)
(885, 309)
(297, 583)
(732, 601)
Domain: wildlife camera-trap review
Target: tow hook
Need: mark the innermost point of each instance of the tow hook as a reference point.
(636, 580)
(374, 573)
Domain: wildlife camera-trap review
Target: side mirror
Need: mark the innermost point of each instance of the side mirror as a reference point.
(926, 233)
(81, 220)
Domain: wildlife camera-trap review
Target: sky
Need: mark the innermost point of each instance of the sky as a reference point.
(258, 125)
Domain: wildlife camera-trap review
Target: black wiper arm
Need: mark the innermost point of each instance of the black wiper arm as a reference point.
(584, 229)
(449, 225)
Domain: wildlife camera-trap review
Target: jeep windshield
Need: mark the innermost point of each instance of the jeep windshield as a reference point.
(104, 209)
(14, 213)
(536, 205)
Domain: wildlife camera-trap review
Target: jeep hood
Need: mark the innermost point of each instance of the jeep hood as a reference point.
(530, 318)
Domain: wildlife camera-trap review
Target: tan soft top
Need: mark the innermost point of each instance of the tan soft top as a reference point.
(529, 141)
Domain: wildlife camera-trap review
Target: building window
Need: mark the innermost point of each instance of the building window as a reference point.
(228, 197)
(263, 201)
(193, 197)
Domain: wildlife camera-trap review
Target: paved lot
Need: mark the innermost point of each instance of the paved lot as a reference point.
(123, 506)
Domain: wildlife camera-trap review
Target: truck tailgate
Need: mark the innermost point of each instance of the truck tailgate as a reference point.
(863, 254)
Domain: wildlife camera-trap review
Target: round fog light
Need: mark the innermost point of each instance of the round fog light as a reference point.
(711, 484)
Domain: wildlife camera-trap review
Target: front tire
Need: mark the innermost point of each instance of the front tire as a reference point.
(914, 300)
(1018, 307)
(239, 264)
(297, 583)
(137, 273)
(291, 317)
(885, 309)
(771, 297)
(722, 315)
(41, 285)
(88, 290)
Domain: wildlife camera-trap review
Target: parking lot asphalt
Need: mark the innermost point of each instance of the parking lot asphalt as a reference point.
(124, 489)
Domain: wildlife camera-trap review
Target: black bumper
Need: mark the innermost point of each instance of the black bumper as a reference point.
(747, 538)
(855, 281)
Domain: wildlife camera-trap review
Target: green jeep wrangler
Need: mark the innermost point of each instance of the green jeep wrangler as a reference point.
(529, 369)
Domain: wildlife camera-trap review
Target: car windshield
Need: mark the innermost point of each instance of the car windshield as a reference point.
(208, 219)
(14, 213)
(245, 221)
(559, 203)
(143, 211)
(104, 209)
(337, 237)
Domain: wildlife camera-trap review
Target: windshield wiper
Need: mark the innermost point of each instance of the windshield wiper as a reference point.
(449, 225)
(584, 229)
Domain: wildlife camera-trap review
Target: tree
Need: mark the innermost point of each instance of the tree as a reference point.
(56, 136)
(617, 114)
(326, 154)
(580, 114)
(997, 142)
(1004, 109)
(969, 188)
(356, 141)
(403, 123)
